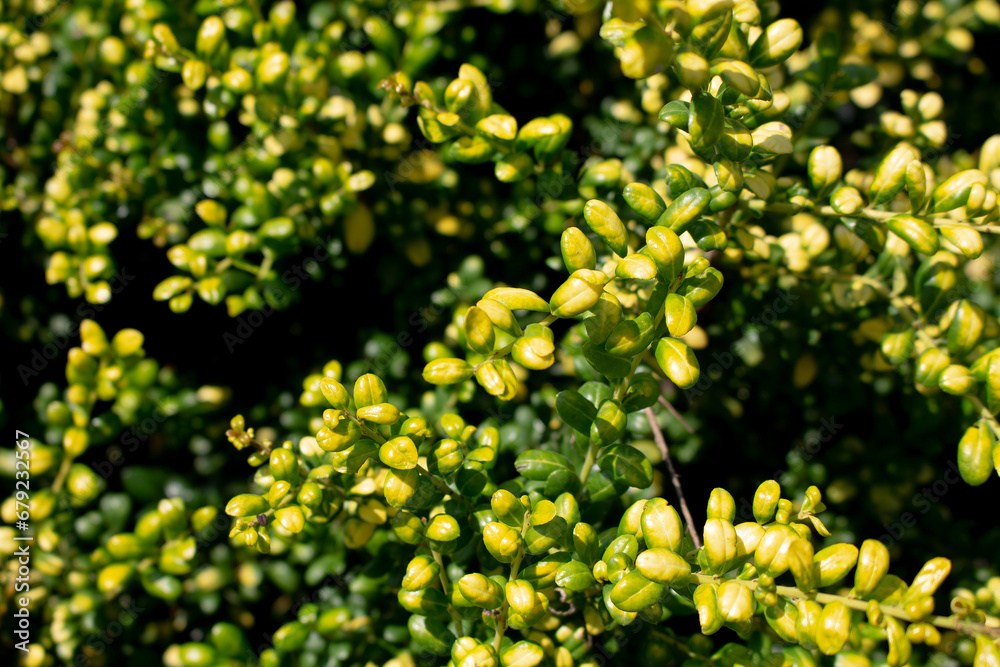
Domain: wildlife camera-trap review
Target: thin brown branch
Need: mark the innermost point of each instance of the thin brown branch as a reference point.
(670, 406)
(662, 444)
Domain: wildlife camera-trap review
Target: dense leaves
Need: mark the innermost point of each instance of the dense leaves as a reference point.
(632, 240)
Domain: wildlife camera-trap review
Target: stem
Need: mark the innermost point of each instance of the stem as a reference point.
(447, 593)
(61, 475)
(792, 593)
(440, 485)
(991, 229)
(936, 220)
(284, 501)
(266, 449)
(623, 387)
(240, 264)
(369, 433)
(863, 213)
(661, 442)
(673, 411)
(265, 266)
(909, 313)
(985, 413)
(588, 462)
(515, 566)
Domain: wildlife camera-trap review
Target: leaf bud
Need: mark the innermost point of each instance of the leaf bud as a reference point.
(834, 628)
(825, 168)
(503, 542)
(447, 371)
(776, 44)
(720, 545)
(664, 567)
(873, 563)
(706, 602)
(661, 525)
(832, 564)
(421, 572)
(721, 505)
(975, 453)
(399, 453)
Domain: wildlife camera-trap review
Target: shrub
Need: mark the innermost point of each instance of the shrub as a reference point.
(706, 213)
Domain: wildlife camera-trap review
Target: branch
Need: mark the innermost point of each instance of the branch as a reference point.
(662, 444)
(447, 591)
(515, 566)
(874, 214)
(985, 413)
(670, 407)
(792, 593)
(588, 463)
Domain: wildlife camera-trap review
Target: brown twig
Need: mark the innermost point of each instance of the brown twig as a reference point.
(662, 444)
(670, 406)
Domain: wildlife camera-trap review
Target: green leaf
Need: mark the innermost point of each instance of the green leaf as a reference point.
(430, 634)
(626, 544)
(702, 287)
(471, 480)
(605, 223)
(624, 463)
(734, 655)
(680, 179)
(399, 453)
(708, 235)
(620, 616)
(574, 576)
(537, 465)
(685, 209)
(360, 452)
(246, 504)
(676, 113)
(643, 199)
(891, 173)
(678, 362)
(631, 337)
(562, 481)
(543, 512)
(635, 592)
(853, 75)
(575, 410)
(705, 122)
(664, 567)
(993, 384)
(539, 539)
(601, 489)
(522, 654)
(605, 363)
(542, 572)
